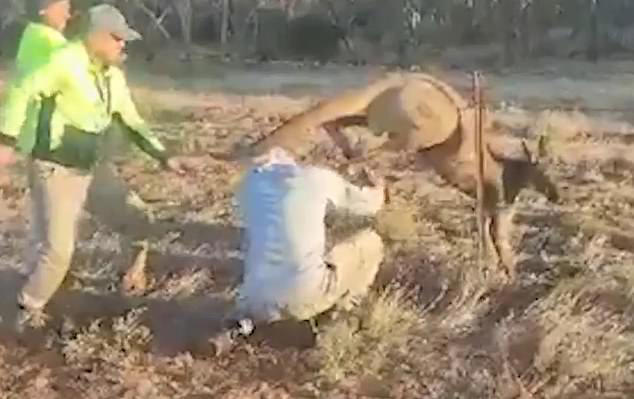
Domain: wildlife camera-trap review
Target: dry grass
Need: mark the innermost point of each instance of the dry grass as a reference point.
(120, 344)
(368, 343)
(583, 342)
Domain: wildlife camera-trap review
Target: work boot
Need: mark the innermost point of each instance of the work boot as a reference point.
(245, 327)
(226, 339)
(29, 317)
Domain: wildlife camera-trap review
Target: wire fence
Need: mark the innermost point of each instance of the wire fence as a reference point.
(572, 106)
(476, 98)
(558, 107)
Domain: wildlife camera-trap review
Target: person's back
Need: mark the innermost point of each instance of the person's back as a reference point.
(284, 206)
(43, 34)
(36, 46)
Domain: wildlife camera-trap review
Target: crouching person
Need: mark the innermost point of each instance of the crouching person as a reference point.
(287, 274)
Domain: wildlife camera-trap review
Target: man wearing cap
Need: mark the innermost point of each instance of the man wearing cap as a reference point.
(287, 272)
(83, 92)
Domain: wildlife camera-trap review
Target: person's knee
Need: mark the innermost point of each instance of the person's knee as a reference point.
(30, 300)
(59, 256)
(374, 240)
(371, 245)
(358, 280)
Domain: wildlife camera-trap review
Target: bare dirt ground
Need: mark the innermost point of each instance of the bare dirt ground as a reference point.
(436, 326)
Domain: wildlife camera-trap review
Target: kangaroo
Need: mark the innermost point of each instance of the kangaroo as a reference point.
(426, 116)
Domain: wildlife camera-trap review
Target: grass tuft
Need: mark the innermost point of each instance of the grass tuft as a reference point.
(368, 343)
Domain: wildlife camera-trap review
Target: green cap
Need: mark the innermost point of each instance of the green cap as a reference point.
(105, 17)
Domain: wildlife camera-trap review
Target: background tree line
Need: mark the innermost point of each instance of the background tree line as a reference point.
(394, 31)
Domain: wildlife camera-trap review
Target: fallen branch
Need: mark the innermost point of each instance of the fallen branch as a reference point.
(135, 280)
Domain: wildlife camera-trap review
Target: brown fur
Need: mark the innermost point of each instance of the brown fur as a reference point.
(440, 130)
(297, 133)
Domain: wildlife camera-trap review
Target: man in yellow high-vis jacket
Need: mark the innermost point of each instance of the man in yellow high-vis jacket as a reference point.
(43, 34)
(83, 92)
(109, 199)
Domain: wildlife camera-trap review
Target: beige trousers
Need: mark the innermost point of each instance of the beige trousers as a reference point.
(356, 262)
(58, 196)
(352, 266)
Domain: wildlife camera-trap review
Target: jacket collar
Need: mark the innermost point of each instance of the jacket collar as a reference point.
(92, 65)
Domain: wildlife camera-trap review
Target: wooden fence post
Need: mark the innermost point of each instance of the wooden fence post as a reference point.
(479, 156)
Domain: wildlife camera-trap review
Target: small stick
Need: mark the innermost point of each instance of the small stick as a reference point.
(135, 280)
(477, 97)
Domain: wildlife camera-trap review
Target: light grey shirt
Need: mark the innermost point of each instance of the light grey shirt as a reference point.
(283, 206)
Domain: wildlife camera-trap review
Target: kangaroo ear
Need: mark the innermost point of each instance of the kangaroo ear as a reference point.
(530, 155)
(542, 144)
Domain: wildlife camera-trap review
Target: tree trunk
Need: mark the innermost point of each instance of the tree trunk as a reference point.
(289, 8)
(184, 11)
(525, 31)
(506, 24)
(592, 52)
(224, 28)
(271, 33)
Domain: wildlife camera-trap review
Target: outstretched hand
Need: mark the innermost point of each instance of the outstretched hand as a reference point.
(375, 179)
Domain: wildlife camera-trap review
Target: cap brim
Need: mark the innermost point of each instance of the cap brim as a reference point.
(128, 34)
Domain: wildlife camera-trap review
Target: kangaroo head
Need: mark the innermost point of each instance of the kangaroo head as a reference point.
(519, 173)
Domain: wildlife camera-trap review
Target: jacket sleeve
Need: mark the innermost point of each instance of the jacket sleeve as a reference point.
(7, 140)
(345, 195)
(37, 83)
(125, 109)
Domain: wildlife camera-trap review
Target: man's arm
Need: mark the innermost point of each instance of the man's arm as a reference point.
(139, 131)
(358, 200)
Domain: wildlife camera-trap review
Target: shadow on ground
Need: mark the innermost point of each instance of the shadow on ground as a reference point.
(181, 324)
